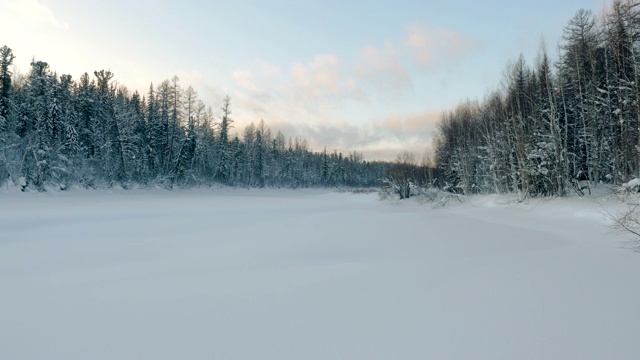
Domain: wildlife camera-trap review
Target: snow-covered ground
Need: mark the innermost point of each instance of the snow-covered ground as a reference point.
(276, 274)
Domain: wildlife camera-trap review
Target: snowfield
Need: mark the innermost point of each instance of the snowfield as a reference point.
(311, 274)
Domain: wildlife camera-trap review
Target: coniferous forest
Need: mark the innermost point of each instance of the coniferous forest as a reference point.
(57, 132)
(554, 128)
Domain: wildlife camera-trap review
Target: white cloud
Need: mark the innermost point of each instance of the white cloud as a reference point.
(17, 14)
(379, 139)
(306, 91)
(383, 69)
(310, 99)
(32, 30)
(268, 70)
(317, 79)
(436, 46)
(416, 126)
(243, 78)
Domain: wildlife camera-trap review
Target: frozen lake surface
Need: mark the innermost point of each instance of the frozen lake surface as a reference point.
(310, 274)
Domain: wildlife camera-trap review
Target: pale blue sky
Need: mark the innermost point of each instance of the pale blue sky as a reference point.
(371, 76)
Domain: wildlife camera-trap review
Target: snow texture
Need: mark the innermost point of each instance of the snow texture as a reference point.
(274, 274)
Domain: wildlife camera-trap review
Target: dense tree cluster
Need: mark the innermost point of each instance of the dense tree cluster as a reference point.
(55, 131)
(554, 128)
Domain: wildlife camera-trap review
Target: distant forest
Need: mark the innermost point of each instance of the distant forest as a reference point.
(554, 128)
(58, 132)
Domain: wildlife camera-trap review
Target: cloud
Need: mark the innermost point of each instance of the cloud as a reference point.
(243, 79)
(32, 30)
(418, 125)
(268, 70)
(30, 13)
(327, 82)
(381, 139)
(403, 132)
(318, 79)
(436, 46)
(383, 69)
(316, 99)
(305, 91)
(250, 96)
(334, 135)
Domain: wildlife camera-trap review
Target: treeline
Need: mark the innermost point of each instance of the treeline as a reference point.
(55, 131)
(554, 128)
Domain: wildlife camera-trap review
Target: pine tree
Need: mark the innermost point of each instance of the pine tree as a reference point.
(155, 139)
(113, 166)
(6, 59)
(225, 152)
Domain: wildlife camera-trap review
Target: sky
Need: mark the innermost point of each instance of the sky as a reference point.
(350, 75)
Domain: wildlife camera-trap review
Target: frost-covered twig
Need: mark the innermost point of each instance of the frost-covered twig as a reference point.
(627, 221)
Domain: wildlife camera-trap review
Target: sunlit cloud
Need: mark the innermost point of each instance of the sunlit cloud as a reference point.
(190, 77)
(435, 46)
(243, 79)
(306, 90)
(420, 125)
(319, 78)
(383, 69)
(403, 132)
(337, 135)
(30, 13)
(309, 100)
(312, 98)
(31, 28)
(268, 70)
(381, 139)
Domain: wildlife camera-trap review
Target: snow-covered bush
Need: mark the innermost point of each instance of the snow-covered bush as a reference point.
(627, 189)
(422, 195)
(22, 182)
(400, 187)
